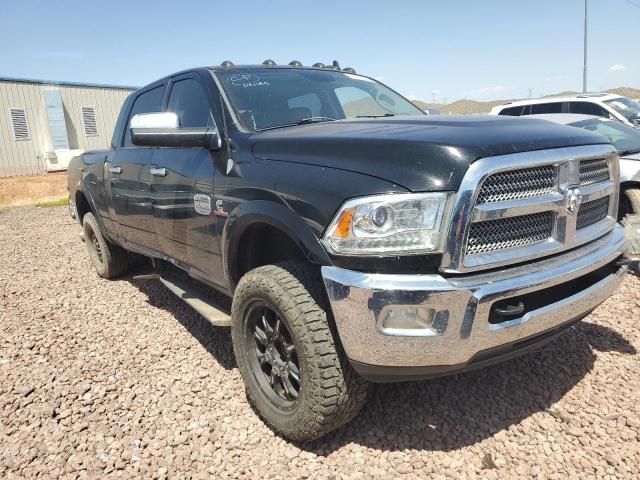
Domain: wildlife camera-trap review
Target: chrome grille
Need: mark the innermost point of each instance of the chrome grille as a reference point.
(592, 212)
(518, 207)
(515, 184)
(594, 171)
(492, 235)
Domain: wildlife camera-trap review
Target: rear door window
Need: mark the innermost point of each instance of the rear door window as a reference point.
(147, 102)
(555, 107)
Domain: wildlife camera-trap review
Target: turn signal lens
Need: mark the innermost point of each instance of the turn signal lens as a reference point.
(344, 224)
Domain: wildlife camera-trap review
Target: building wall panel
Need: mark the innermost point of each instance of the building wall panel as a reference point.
(27, 157)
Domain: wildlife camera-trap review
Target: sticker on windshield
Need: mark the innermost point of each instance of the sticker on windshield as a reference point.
(202, 204)
(247, 80)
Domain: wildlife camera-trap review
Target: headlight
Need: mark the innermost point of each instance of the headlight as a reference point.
(388, 225)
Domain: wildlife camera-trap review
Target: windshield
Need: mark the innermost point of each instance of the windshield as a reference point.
(626, 107)
(270, 98)
(625, 139)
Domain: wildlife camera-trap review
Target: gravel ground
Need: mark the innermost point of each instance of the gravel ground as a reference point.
(118, 378)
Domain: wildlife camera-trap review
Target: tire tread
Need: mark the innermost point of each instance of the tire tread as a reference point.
(338, 393)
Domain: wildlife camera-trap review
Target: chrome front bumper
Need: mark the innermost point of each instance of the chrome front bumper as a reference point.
(459, 307)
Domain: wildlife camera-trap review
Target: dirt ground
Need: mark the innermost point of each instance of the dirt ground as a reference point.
(119, 379)
(32, 189)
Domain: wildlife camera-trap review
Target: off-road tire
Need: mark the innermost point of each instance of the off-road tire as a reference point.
(633, 196)
(331, 392)
(109, 260)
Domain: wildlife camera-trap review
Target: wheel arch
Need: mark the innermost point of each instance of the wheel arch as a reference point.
(274, 224)
(85, 204)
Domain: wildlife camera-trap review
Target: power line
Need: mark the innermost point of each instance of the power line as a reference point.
(631, 2)
(584, 66)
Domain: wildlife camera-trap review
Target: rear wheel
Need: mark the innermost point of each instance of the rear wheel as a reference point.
(295, 372)
(109, 260)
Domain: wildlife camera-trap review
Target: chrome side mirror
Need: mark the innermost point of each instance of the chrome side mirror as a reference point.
(155, 120)
(162, 129)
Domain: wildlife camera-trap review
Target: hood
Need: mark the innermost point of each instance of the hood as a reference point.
(430, 153)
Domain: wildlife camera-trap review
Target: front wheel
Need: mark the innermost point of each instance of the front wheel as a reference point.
(295, 372)
(633, 198)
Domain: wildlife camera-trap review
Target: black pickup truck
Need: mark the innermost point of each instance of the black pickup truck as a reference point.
(346, 237)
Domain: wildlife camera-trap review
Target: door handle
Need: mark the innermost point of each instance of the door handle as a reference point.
(115, 169)
(158, 172)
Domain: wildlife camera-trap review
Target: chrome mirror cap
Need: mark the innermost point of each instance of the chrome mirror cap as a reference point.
(155, 120)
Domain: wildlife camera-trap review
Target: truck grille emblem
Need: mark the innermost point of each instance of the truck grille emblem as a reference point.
(572, 200)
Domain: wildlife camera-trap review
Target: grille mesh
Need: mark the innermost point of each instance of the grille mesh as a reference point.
(594, 171)
(592, 212)
(511, 232)
(516, 184)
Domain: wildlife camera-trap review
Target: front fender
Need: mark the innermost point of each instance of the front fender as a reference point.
(276, 215)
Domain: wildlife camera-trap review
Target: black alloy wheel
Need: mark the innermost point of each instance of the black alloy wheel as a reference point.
(272, 355)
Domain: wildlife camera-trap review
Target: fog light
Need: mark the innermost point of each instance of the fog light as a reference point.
(407, 320)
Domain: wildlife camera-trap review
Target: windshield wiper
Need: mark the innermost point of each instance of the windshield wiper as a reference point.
(376, 116)
(304, 121)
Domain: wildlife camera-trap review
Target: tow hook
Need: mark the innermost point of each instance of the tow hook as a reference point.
(510, 310)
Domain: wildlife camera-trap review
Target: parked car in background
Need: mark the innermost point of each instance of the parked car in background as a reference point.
(607, 105)
(353, 237)
(626, 140)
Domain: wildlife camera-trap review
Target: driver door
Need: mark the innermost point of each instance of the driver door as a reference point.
(182, 185)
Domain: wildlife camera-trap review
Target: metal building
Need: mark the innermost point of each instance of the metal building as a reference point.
(44, 124)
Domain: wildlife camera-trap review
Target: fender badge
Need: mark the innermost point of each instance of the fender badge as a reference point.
(202, 204)
(220, 209)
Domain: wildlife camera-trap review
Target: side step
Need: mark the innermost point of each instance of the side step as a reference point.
(216, 315)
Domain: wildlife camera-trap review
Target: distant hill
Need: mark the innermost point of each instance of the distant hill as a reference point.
(468, 107)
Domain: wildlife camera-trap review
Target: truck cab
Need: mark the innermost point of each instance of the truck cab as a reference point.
(351, 237)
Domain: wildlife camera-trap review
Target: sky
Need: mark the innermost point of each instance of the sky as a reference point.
(447, 50)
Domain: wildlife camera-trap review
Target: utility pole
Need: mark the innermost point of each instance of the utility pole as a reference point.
(530, 92)
(584, 72)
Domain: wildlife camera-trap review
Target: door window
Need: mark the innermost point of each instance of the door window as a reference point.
(147, 102)
(587, 108)
(555, 107)
(511, 111)
(190, 101)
